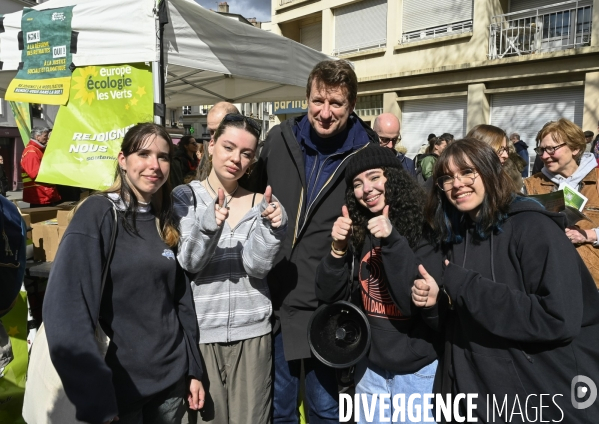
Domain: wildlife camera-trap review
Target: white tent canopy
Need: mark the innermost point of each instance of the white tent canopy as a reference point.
(208, 57)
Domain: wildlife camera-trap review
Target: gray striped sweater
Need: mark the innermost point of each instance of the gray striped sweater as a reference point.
(228, 266)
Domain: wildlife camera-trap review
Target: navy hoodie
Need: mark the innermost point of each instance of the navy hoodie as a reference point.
(146, 309)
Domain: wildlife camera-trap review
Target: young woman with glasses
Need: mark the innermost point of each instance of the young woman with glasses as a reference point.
(381, 235)
(561, 146)
(229, 240)
(516, 304)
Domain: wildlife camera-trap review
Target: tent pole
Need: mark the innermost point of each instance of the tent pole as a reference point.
(157, 92)
(158, 67)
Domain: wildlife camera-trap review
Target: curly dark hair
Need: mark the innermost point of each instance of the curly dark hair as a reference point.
(406, 204)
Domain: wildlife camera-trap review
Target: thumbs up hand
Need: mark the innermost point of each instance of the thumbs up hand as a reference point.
(221, 213)
(341, 230)
(380, 226)
(425, 289)
(273, 211)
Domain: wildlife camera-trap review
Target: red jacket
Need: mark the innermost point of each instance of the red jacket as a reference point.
(33, 192)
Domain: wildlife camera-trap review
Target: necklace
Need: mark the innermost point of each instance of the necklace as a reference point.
(228, 198)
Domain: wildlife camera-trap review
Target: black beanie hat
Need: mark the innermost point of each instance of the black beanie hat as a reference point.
(371, 157)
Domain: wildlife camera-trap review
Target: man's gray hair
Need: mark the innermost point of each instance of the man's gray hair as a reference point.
(515, 135)
(35, 131)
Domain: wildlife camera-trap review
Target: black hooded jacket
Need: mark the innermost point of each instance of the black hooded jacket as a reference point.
(524, 323)
(384, 272)
(182, 166)
(291, 281)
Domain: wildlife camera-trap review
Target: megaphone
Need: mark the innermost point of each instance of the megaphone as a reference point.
(339, 334)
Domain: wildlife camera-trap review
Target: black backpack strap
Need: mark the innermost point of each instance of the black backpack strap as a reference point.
(195, 200)
(113, 234)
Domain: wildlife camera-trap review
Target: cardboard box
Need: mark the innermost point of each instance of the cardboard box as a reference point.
(27, 219)
(37, 235)
(46, 238)
(64, 211)
(48, 224)
(40, 214)
(52, 236)
(67, 205)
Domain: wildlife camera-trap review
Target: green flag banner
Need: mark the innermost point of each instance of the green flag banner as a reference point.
(104, 102)
(12, 378)
(22, 115)
(45, 41)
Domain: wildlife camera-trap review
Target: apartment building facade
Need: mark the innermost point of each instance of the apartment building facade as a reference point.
(447, 65)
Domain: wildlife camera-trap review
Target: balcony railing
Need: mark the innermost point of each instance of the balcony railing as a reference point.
(558, 26)
(361, 47)
(373, 111)
(442, 31)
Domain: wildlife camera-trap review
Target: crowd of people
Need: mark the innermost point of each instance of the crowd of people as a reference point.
(468, 284)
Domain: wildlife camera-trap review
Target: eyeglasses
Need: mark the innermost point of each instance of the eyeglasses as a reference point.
(383, 141)
(502, 150)
(550, 149)
(466, 176)
(238, 117)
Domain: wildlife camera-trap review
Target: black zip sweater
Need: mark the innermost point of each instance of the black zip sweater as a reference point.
(291, 281)
(384, 274)
(525, 319)
(146, 309)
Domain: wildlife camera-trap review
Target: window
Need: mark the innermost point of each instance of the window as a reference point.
(37, 111)
(560, 24)
(369, 105)
(360, 26)
(435, 18)
(311, 36)
(186, 110)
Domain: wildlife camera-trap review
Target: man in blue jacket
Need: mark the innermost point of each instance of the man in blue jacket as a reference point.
(387, 127)
(303, 160)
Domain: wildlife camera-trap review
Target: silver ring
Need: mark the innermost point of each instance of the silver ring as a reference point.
(274, 205)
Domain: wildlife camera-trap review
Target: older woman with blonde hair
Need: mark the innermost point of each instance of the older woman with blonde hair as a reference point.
(561, 146)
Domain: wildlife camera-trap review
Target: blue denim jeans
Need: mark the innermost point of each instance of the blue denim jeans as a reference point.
(321, 388)
(374, 380)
